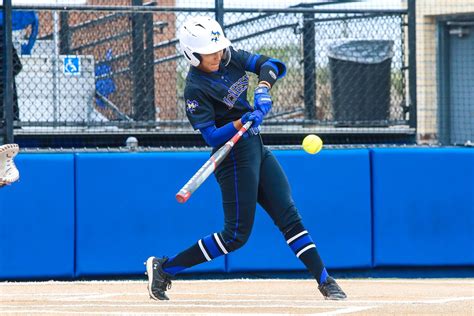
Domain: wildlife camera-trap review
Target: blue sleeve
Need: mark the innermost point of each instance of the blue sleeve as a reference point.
(216, 136)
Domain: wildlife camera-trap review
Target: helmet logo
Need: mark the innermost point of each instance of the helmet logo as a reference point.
(215, 36)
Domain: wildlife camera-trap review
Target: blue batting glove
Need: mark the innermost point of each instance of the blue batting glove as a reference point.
(262, 100)
(256, 117)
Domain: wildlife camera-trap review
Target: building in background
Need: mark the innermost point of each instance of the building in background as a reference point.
(445, 71)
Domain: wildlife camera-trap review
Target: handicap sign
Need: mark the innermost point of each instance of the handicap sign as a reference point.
(72, 65)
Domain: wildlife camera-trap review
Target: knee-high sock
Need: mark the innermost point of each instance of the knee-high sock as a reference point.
(304, 248)
(205, 249)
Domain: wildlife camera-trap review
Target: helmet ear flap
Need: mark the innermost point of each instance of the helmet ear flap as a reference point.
(198, 56)
(227, 55)
(193, 58)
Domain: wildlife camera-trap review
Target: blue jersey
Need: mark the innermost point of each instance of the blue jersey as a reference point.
(219, 97)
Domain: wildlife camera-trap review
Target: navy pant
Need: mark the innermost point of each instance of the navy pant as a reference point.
(251, 174)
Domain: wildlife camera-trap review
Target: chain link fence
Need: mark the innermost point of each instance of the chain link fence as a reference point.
(103, 70)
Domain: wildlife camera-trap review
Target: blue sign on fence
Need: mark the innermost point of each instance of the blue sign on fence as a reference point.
(72, 65)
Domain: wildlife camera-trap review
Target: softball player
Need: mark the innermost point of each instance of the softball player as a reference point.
(8, 171)
(216, 104)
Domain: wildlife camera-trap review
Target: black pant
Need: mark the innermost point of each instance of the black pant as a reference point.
(251, 174)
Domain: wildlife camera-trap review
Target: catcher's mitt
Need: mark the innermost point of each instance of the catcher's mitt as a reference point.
(8, 171)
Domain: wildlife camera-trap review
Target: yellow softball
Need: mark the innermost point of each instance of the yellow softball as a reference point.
(312, 144)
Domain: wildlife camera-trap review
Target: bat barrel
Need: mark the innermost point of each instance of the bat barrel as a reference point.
(211, 164)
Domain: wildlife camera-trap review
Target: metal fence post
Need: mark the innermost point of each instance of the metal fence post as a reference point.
(309, 56)
(137, 66)
(149, 60)
(7, 72)
(412, 63)
(64, 34)
(219, 5)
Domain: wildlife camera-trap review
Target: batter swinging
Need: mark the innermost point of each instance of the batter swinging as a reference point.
(216, 104)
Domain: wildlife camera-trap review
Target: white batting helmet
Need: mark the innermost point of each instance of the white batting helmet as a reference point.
(202, 35)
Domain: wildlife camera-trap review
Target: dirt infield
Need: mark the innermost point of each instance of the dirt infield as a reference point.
(204, 297)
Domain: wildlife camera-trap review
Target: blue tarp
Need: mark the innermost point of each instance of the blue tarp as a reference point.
(20, 21)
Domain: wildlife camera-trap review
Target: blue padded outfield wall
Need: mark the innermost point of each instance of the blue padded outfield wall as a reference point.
(103, 214)
(126, 210)
(37, 219)
(332, 192)
(423, 207)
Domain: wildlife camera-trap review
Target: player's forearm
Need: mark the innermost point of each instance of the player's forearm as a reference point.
(238, 124)
(263, 83)
(216, 136)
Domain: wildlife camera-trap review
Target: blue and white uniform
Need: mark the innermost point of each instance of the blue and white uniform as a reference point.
(250, 174)
(216, 104)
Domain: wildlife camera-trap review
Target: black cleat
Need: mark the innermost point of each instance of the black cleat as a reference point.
(331, 291)
(158, 280)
